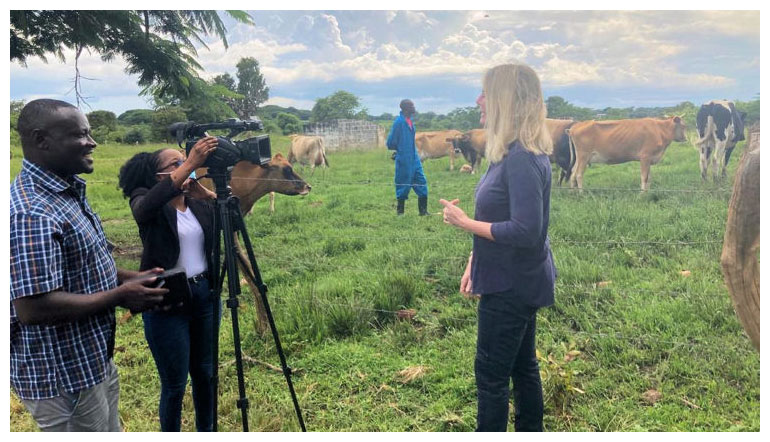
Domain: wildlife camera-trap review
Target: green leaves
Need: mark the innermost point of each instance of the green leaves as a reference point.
(158, 46)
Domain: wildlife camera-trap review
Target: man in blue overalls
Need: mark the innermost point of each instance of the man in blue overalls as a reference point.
(409, 174)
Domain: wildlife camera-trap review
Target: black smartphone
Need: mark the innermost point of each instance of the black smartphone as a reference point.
(175, 280)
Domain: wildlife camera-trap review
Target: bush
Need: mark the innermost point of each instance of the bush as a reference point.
(100, 134)
(134, 136)
(272, 128)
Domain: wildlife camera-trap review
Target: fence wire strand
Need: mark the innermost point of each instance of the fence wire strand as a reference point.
(384, 183)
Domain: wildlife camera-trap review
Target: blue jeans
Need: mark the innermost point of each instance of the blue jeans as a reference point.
(505, 350)
(180, 342)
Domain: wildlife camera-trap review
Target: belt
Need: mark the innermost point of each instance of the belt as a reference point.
(197, 278)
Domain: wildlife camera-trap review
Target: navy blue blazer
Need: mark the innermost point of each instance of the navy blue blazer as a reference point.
(515, 196)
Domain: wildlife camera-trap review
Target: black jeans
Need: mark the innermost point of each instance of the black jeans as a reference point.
(181, 343)
(505, 350)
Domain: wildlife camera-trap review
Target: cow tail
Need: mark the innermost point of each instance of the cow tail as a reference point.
(323, 153)
(572, 156)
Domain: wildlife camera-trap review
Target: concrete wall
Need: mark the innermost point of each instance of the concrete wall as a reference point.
(348, 134)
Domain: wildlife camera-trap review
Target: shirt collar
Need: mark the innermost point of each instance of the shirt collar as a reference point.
(50, 180)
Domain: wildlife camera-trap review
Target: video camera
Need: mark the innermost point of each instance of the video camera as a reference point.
(228, 152)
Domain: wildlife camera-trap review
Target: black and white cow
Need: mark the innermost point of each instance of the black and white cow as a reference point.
(720, 127)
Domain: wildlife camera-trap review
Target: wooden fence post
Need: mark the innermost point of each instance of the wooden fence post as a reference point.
(740, 264)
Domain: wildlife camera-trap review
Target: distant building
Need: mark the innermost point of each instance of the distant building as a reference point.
(348, 134)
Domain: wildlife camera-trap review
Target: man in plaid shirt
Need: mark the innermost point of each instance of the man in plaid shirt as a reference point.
(64, 283)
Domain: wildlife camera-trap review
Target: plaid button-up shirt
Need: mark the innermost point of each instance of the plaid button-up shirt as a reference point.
(57, 243)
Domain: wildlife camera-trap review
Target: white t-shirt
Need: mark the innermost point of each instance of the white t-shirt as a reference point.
(192, 252)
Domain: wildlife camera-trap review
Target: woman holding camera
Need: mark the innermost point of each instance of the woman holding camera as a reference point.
(176, 218)
(511, 265)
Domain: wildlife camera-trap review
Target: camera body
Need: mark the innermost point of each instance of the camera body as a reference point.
(255, 149)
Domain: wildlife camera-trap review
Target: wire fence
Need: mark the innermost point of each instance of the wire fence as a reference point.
(369, 182)
(468, 237)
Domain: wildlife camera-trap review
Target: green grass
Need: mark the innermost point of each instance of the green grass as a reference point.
(338, 262)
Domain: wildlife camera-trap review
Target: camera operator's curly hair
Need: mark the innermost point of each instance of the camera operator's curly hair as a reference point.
(139, 171)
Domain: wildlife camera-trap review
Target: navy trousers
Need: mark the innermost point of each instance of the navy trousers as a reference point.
(505, 351)
(181, 343)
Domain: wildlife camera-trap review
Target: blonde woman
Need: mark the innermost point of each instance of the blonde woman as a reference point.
(511, 265)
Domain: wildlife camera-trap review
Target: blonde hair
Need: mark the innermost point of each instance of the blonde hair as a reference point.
(515, 111)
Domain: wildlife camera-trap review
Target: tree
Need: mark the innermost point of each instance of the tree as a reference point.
(134, 136)
(157, 45)
(136, 116)
(210, 102)
(225, 80)
(16, 106)
(464, 118)
(100, 118)
(558, 107)
(251, 85)
(288, 123)
(340, 104)
(164, 117)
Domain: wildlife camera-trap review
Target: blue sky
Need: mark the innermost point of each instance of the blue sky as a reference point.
(437, 58)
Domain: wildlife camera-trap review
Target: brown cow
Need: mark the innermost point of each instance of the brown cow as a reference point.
(437, 144)
(308, 149)
(619, 141)
(251, 182)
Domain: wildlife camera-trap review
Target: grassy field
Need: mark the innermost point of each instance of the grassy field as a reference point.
(631, 344)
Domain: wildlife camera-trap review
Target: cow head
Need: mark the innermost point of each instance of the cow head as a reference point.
(250, 182)
(454, 142)
(679, 129)
(462, 144)
(281, 178)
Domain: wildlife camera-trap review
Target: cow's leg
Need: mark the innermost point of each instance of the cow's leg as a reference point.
(645, 173)
(705, 154)
(451, 160)
(581, 162)
(719, 160)
(477, 163)
(728, 152)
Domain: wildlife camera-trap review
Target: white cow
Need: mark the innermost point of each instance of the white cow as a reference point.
(308, 149)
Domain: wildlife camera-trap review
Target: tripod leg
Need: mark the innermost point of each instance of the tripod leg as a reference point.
(257, 281)
(216, 293)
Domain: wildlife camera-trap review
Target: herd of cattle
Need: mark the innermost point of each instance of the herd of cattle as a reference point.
(576, 144)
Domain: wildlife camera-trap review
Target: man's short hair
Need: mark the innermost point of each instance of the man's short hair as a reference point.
(35, 113)
(404, 103)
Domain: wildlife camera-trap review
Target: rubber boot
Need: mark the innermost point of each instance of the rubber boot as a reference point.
(400, 207)
(422, 204)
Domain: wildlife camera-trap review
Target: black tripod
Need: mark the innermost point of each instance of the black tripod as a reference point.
(227, 220)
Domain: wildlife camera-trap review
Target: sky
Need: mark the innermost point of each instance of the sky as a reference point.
(437, 58)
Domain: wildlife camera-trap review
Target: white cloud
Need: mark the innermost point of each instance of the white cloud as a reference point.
(291, 102)
(558, 72)
(267, 52)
